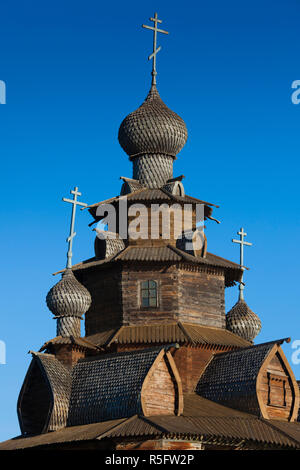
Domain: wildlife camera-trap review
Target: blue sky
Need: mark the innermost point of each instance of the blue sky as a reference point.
(73, 70)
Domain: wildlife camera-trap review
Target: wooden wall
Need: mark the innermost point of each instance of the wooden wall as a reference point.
(167, 309)
(191, 297)
(159, 226)
(105, 288)
(201, 298)
(186, 296)
(191, 362)
(159, 392)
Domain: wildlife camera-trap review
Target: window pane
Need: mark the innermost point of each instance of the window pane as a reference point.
(152, 293)
(152, 302)
(145, 284)
(145, 293)
(145, 302)
(152, 284)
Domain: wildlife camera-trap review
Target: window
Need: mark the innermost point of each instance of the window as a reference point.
(149, 294)
(276, 390)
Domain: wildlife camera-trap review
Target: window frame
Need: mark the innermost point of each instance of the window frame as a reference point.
(149, 289)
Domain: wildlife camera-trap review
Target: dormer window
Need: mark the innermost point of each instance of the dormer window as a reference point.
(149, 294)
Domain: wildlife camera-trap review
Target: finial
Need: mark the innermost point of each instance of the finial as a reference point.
(242, 243)
(74, 203)
(155, 48)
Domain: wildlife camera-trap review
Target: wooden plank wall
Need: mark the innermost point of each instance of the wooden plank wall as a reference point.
(201, 298)
(105, 288)
(159, 395)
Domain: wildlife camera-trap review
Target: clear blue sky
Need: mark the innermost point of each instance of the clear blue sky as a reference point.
(73, 70)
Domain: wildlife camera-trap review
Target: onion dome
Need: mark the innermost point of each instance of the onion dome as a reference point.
(152, 136)
(242, 321)
(153, 128)
(68, 300)
(68, 297)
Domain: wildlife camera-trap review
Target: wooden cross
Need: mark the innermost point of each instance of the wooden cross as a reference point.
(156, 49)
(74, 203)
(242, 243)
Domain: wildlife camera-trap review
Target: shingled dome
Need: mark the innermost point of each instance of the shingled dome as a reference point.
(152, 129)
(68, 297)
(242, 321)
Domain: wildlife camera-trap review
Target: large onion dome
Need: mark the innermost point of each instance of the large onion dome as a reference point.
(152, 136)
(242, 321)
(68, 300)
(152, 128)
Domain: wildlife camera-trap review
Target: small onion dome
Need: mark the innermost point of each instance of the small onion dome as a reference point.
(242, 321)
(68, 298)
(152, 129)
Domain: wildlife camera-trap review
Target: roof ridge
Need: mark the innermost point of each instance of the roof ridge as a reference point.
(180, 325)
(115, 427)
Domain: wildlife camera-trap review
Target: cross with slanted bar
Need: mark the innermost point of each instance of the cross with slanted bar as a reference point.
(242, 243)
(155, 48)
(74, 203)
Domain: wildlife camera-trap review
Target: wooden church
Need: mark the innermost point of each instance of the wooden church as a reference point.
(161, 365)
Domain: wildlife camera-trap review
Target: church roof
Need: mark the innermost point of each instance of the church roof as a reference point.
(154, 195)
(230, 377)
(201, 419)
(168, 333)
(164, 254)
(112, 383)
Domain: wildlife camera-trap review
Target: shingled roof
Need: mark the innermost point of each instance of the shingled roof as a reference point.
(49, 376)
(201, 420)
(230, 377)
(167, 253)
(168, 333)
(112, 384)
(96, 389)
(157, 195)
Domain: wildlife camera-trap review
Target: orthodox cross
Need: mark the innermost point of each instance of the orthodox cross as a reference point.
(242, 243)
(156, 49)
(74, 203)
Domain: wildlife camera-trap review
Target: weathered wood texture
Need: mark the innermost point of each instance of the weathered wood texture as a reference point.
(34, 391)
(160, 444)
(167, 282)
(191, 362)
(105, 288)
(276, 389)
(187, 296)
(68, 354)
(159, 393)
(201, 298)
(192, 297)
(158, 224)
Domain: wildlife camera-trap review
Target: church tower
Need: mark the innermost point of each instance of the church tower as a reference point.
(160, 365)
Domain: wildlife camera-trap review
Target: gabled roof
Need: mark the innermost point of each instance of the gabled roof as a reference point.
(168, 333)
(63, 340)
(109, 387)
(96, 389)
(230, 377)
(57, 379)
